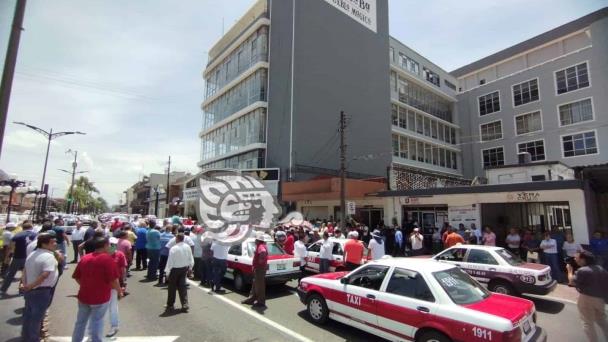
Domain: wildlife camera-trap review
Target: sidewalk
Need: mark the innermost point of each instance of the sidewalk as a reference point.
(563, 293)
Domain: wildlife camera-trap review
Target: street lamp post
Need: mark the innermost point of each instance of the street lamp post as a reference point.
(50, 136)
(70, 204)
(12, 186)
(157, 191)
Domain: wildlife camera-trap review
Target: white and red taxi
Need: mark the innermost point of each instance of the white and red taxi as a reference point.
(282, 267)
(500, 270)
(418, 300)
(337, 264)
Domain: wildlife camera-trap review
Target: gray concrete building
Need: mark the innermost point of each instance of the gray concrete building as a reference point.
(541, 100)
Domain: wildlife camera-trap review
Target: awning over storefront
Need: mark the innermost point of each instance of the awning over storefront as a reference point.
(329, 189)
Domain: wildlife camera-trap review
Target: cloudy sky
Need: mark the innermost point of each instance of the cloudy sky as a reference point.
(128, 73)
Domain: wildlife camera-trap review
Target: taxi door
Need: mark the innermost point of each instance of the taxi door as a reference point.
(358, 298)
(312, 260)
(405, 303)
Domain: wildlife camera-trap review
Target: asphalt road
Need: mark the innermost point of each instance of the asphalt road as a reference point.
(222, 318)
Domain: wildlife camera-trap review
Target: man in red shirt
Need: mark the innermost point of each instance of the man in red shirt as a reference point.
(453, 238)
(257, 296)
(116, 225)
(353, 251)
(288, 246)
(97, 274)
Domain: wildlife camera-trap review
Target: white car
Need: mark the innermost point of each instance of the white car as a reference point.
(500, 270)
(337, 264)
(418, 300)
(282, 267)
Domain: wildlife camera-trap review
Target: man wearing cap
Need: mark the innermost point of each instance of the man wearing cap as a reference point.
(39, 278)
(18, 249)
(257, 296)
(416, 240)
(353, 251)
(7, 235)
(376, 246)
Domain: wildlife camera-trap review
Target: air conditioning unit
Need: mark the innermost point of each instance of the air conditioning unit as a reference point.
(524, 158)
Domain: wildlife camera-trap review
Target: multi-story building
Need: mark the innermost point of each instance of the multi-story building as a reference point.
(543, 99)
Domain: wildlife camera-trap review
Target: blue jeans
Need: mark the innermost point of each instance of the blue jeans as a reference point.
(94, 314)
(154, 260)
(552, 260)
(219, 269)
(16, 265)
(324, 265)
(205, 271)
(36, 303)
(114, 309)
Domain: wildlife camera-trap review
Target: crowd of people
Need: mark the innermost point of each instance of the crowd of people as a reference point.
(169, 252)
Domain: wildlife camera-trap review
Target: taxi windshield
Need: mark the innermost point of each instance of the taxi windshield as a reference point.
(273, 248)
(509, 257)
(460, 287)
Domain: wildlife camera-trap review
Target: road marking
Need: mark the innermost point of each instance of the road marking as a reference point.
(123, 339)
(255, 315)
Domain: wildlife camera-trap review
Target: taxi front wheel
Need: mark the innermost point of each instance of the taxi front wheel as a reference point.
(317, 309)
(433, 336)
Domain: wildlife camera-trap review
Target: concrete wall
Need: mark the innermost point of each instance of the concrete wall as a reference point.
(549, 101)
(339, 65)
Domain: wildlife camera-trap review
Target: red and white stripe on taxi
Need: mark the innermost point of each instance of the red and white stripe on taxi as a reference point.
(281, 268)
(399, 317)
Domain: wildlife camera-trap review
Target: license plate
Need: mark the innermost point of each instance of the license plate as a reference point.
(281, 267)
(527, 327)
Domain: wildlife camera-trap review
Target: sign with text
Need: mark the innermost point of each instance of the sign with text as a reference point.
(362, 11)
(523, 196)
(350, 208)
(465, 214)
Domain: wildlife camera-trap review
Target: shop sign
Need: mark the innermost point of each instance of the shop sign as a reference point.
(409, 200)
(466, 214)
(350, 208)
(191, 194)
(523, 196)
(362, 11)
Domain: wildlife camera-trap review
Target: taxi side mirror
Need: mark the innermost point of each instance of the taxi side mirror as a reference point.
(344, 280)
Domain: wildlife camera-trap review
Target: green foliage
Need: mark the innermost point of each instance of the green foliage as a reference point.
(84, 201)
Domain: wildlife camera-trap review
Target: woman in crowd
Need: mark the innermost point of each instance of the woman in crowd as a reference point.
(489, 238)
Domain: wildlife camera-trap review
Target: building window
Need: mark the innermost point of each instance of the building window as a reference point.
(539, 178)
(489, 103)
(409, 64)
(491, 131)
(575, 112)
(403, 148)
(391, 54)
(579, 144)
(493, 157)
(535, 148)
(525, 92)
(419, 124)
(449, 85)
(572, 78)
(528, 123)
(402, 118)
(431, 76)
(395, 145)
(395, 115)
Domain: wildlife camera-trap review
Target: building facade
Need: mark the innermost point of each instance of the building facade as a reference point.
(541, 100)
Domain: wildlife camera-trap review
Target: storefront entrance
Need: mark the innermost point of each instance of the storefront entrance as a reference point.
(371, 217)
(428, 218)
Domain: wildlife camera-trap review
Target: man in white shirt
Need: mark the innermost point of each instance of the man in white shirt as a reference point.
(77, 238)
(180, 261)
(416, 240)
(550, 256)
(301, 253)
(376, 246)
(39, 277)
(218, 265)
(326, 253)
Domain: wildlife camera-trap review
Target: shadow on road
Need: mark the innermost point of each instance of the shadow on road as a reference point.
(19, 311)
(547, 306)
(16, 321)
(344, 331)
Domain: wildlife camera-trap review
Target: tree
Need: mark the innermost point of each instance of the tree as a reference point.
(83, 198)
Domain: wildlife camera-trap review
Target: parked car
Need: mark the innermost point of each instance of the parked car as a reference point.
(418, 300)
(500, 270)
(337, 264)
(282, 267)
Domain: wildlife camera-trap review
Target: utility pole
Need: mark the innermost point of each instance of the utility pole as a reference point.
(74, 164)
(9, 66)
(168, 192)
(342, 172)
